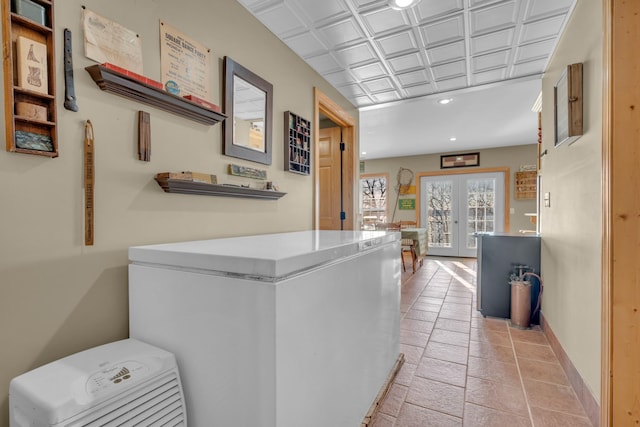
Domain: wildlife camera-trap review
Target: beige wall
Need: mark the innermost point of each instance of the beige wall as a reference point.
(571, 226)
(57, 296)
(511, 157)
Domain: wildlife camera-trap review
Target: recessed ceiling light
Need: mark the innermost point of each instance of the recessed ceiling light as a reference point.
(445, 101)
(364, 153)
(453, 138)
(402, 4)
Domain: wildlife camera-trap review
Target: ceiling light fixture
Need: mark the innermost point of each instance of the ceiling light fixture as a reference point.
(453, 138)
(402, 4)
(445, 101)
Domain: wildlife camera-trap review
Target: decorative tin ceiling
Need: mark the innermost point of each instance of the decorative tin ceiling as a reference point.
(374, 54)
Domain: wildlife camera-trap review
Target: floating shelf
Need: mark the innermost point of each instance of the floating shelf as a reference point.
(181, 186)
(120, 84)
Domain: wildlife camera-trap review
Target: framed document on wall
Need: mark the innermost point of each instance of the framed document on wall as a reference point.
(568, 105)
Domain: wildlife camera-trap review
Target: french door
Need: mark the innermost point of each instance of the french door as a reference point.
(455, 207)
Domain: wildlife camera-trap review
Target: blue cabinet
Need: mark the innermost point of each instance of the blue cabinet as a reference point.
(497, 255)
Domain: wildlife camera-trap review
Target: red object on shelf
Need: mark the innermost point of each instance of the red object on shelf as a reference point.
(203, 102)
(133, 75)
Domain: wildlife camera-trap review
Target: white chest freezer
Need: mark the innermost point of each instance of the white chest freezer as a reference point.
(283, 330)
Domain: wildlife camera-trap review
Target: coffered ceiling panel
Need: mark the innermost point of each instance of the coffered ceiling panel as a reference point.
(493, 18)
(341, 33)
(324, 63)
(429, 10)
(492, 60)
(385, 20)
(367, 72)
(356, 54)
(445, 31)
(413, 78)
(281, 20)
(306, 44)
(399, 43)
(489, 76)
(541, 30)
(536, 9)
(447, 71)
(378, 85)
(535, 50)
(319, 12)
(408, 62)
(376, 56)
(446, 53)
(450, 41)
(340, 78)
(383, 97)
(492, 41)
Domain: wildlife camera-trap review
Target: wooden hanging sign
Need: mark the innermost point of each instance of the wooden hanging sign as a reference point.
(89, 180)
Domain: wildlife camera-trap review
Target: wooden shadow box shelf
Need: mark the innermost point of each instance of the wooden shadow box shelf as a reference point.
(120, 84)
(181, 186)
(29, 91)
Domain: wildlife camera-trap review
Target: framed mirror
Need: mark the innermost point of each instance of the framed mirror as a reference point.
(248, 104)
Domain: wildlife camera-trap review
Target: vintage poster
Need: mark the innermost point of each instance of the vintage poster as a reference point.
(108, 41)
(32, 65)
(185, 64)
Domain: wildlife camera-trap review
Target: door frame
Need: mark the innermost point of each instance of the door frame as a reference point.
(619, 385)
(325, 105)
(507, 188)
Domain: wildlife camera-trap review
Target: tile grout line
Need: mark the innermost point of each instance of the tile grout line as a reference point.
(524, 391)
(404, 401)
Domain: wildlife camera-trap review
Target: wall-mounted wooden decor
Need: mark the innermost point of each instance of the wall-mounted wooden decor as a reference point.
(29, 77)
(297, 146)
(568, 105)
(526, 185)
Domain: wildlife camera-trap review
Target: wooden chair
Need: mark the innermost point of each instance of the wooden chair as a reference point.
(393, 226)
(408, 245)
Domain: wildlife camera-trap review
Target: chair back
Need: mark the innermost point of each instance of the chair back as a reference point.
(389, 226)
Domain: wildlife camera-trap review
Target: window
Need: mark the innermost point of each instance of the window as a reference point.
(373, 199)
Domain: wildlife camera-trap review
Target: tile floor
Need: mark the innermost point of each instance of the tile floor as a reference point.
(462, 369)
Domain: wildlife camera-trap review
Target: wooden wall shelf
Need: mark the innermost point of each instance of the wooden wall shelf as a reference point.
(297, 144)
(526, 185)
(120, 84)
(181, 186)
(26, 134)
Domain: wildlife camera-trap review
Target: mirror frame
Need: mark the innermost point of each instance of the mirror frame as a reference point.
(231, 69)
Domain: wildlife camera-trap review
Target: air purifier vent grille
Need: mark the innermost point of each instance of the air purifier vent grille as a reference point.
(154, 403)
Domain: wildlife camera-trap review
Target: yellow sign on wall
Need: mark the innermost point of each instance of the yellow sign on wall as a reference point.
(411, 189)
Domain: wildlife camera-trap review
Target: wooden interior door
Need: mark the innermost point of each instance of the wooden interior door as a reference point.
(329, 176)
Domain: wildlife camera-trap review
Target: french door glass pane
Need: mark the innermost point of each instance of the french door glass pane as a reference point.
(480, 207)
(439, 197)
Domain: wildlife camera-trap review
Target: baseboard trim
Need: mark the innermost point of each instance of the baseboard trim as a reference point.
(373, 410)
(589, 403)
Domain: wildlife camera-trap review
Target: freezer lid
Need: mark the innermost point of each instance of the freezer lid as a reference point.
(267, 256)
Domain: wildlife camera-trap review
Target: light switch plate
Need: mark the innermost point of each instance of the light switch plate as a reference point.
(547, 200)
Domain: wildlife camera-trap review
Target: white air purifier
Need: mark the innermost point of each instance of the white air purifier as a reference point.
(124, 383)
